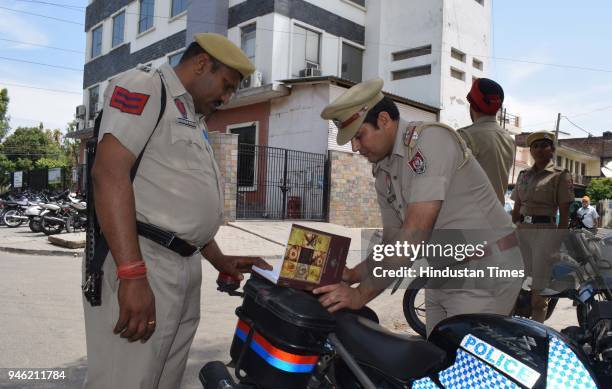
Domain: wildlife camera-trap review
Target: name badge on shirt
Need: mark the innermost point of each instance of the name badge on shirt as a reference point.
(183, 120)
(186, 122)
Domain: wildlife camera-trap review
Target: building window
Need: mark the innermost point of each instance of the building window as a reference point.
(358, 2)
(352, 63)
(411, 72)
(411, 53)
(458, 74)
(247, 41)
(559, 161)
(118, 28)
(178, 6)
(147, 12)
(582, 169)
(477, 64)
(458, 55)
(96, 42)
(93, 101)
(247, 142)
(306, 48)
(174, 59)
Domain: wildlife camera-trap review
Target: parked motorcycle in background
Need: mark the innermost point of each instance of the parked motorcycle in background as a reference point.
(67, 214)
(77, 220)
(13, 215)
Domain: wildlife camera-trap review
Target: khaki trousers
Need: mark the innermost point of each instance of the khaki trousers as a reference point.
(112, 361)
(540, 245)
(499, 299)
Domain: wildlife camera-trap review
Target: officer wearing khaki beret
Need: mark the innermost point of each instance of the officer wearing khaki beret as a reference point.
(539, 192)
(490, 144)
(157, 227)
(426, 179)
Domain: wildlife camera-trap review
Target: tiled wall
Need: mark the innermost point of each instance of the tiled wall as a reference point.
(225, 147)
(352, 198)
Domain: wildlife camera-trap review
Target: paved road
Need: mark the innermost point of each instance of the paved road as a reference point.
(42, 320)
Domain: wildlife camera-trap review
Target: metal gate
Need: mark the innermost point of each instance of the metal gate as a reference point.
(275, 183)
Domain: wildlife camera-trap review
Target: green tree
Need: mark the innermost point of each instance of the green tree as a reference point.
(71, 146)
(4, 119)
(26, 145)
(599, 189)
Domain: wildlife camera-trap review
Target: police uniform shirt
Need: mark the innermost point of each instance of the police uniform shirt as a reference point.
(541, 192)
(436, 167)
(178, 185)
(493, 148)
(588, 216)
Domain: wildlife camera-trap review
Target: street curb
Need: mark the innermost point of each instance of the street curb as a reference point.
(57, 253)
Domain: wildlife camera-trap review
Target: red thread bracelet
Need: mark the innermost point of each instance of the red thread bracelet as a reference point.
(132, 270)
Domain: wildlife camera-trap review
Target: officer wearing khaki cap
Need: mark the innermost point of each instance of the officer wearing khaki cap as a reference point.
(490, 144)
(539, 192)
(158, 227)
(425, 179)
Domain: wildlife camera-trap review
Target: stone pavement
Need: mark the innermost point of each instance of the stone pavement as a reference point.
(278, 231)
(262, 238)
(23, 241)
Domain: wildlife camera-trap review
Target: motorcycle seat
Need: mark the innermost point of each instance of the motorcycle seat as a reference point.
(395, 355)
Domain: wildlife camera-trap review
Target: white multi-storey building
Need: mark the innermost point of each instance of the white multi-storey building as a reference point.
(307, 53)
(426, 51)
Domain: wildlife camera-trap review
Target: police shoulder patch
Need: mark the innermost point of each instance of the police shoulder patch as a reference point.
(418, 163)
(128, 102)
(410, 135)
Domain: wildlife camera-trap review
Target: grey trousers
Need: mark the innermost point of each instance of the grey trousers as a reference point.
(112, 361)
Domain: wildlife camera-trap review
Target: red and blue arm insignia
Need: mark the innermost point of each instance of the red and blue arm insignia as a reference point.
(128, 102)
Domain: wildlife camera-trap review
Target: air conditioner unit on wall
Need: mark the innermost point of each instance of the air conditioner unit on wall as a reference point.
(80, 112)
(310, 72)
(253, 81)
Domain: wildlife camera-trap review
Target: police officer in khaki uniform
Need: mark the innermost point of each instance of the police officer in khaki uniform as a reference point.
(491, 145)
(140, 335)
(426, 179)
(538, 194)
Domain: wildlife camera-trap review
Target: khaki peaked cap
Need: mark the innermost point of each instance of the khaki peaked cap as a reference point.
(539, 136)
(349, 110)
(226, 52)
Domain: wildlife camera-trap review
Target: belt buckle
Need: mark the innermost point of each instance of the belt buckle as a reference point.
(528, 219)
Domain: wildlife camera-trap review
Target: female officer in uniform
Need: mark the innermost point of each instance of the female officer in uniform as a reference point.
(539, 192)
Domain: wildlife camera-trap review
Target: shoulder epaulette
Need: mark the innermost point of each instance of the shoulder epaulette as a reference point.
(416, 128)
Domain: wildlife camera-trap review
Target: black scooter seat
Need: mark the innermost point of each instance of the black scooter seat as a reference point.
(394, 355)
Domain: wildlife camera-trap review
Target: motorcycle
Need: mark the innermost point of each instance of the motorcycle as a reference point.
(13, 215)
(285, 339)
(64, 214)
(77, 220)
(413, 305)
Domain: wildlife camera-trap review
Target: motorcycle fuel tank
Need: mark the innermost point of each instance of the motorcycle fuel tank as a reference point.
(510, 352)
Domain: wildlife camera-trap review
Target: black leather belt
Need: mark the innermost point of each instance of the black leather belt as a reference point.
(536, 219)
(167, 239)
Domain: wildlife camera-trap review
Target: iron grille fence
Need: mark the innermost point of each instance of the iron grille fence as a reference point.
(276, 183)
